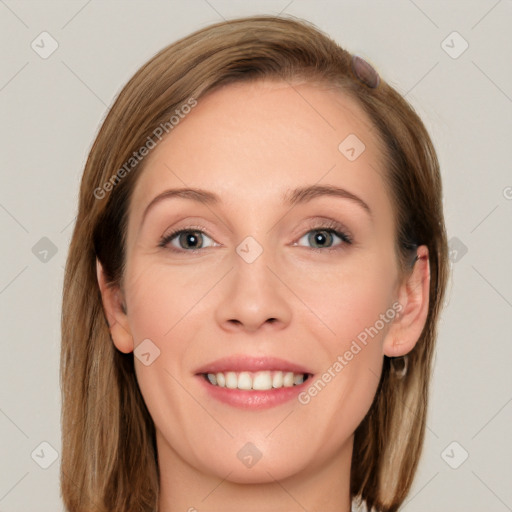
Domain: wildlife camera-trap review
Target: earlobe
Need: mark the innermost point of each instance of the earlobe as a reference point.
(414, 298)
(115, 312)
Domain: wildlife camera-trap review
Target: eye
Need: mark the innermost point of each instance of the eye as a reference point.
(325, 238)
(186, 240)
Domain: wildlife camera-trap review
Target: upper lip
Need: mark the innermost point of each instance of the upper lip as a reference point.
(240, 363)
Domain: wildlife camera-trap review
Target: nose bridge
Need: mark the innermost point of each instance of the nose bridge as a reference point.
(251, 272)
(253, 294)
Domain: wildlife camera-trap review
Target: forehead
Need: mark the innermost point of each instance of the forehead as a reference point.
(255, 140)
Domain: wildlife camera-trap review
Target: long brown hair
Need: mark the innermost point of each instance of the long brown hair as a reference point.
(109, 459)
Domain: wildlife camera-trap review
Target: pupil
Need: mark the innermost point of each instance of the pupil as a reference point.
(191, 239)
(321, 237)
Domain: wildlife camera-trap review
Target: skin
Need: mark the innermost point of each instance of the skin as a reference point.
(249, 144)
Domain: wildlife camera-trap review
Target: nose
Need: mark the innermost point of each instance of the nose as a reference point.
(253, 298)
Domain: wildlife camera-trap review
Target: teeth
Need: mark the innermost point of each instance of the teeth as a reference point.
(244, 381)
(277, 380)
(288, 380)
(220, 378)
(260, 381)
(231, 380)
(298, 379)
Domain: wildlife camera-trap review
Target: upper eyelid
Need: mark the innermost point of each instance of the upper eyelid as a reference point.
(327, 224)
(313, 222)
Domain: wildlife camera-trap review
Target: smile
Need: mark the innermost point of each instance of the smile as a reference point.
(253, 382)
(256, 381)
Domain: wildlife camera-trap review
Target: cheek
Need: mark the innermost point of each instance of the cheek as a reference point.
(159, 297)
(342, 393)
(349, 297)
(355, 306)
(164, 306)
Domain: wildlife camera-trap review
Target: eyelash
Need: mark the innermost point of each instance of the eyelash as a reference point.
(331, 227)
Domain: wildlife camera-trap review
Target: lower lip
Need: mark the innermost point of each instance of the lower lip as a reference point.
(245, 399)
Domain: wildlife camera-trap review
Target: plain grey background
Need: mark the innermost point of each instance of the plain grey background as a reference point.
(452, 61)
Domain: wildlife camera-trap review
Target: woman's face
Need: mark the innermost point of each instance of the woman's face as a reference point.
(286, 265)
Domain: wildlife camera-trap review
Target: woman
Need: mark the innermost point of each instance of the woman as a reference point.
(253, 284)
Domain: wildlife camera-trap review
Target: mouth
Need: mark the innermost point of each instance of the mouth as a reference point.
(256, 381)
(249, 382)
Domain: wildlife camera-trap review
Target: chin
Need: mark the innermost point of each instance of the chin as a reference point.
(243, 463)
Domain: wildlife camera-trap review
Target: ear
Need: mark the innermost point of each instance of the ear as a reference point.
(413, 295)
(115, 311)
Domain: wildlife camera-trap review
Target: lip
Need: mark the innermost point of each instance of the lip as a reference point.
(250, 399)
(240, 363)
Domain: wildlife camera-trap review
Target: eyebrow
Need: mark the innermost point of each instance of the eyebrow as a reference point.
(305, 194)
(292, 198)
